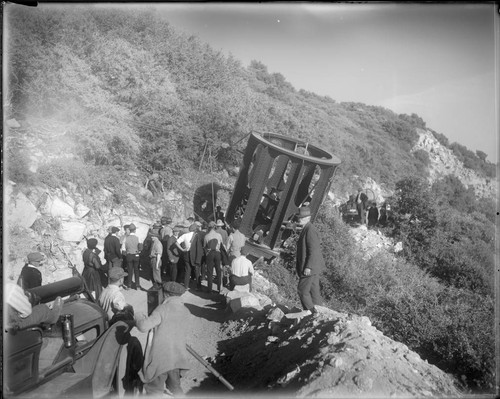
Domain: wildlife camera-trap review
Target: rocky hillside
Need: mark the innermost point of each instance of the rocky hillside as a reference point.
(443, 162)
(266, 346)
(288, 352)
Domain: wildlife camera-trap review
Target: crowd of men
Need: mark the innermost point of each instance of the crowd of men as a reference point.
(175, 260)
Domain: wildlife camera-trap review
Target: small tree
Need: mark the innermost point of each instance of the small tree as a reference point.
(482, 156)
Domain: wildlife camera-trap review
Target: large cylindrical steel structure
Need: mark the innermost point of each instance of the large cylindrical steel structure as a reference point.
(277, 176)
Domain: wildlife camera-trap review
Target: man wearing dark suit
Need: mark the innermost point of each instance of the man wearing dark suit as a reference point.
(361, 200)
(112, 249)
(310, 262)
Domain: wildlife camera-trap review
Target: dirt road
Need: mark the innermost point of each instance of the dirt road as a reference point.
(208, 311)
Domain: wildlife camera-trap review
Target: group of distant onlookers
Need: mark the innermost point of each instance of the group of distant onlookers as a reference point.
(368, 212)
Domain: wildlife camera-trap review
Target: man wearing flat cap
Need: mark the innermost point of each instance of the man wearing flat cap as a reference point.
(165, 355)
(112, 300)
(310, 262)
(30, 276)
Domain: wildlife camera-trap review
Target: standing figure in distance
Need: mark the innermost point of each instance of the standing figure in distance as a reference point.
(132, 250)
(184, 245)
(373, 215)
(212, 243)
(112, 249)
(156, 259)
(165, 233)
(310, 262)
(92, 265)
(173, 255)
(361, 199)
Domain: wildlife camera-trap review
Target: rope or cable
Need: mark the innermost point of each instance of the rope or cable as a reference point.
(213, 194)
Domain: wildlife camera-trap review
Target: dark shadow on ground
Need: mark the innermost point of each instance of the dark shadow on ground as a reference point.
(254, 366)
(217, 315)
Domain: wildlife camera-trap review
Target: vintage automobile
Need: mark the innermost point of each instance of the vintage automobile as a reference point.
(38, 363)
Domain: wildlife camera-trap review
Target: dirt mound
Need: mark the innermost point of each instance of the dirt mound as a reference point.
(328, 354)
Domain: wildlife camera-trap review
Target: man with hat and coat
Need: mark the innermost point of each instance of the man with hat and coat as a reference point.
(92, 265)
(112, 249)
(30, 276)
(132, 252)
(361, 199)
(165, 233)
(165, 355)
(310, 262)
(173, 254)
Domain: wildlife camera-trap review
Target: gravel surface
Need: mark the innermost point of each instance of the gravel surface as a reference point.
(268, 353)
(209, 312)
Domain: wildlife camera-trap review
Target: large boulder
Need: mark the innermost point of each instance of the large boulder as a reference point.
(238, 300)
(81, 210)
(20, 210)
(261, 284)
(56, 207)
(71, 231)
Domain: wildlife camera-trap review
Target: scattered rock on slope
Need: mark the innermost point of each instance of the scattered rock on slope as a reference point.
(329, 354)
(443, 162)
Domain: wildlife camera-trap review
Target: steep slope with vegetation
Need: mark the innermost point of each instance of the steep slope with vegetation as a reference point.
(127, 89)
(109, 93)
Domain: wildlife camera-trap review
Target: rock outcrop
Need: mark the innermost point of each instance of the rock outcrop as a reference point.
(58, 221)
(443, 162)
(328, 354)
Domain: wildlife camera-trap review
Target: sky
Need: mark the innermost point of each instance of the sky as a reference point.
(435, 60)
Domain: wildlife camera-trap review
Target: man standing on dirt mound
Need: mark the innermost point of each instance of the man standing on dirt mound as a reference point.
(310, 262)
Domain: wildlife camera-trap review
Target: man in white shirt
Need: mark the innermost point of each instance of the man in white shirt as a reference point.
(184, 245)
(235, 241)
(241, 273)
(112, 300)
(212, 243)
(20, 312)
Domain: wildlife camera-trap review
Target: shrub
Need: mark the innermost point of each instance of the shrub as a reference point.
(422, 156)
(17, 162)
(285, 279)
(441, 138)
(450, 328)
(402, 131)
(341, 282)
(59, 172)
